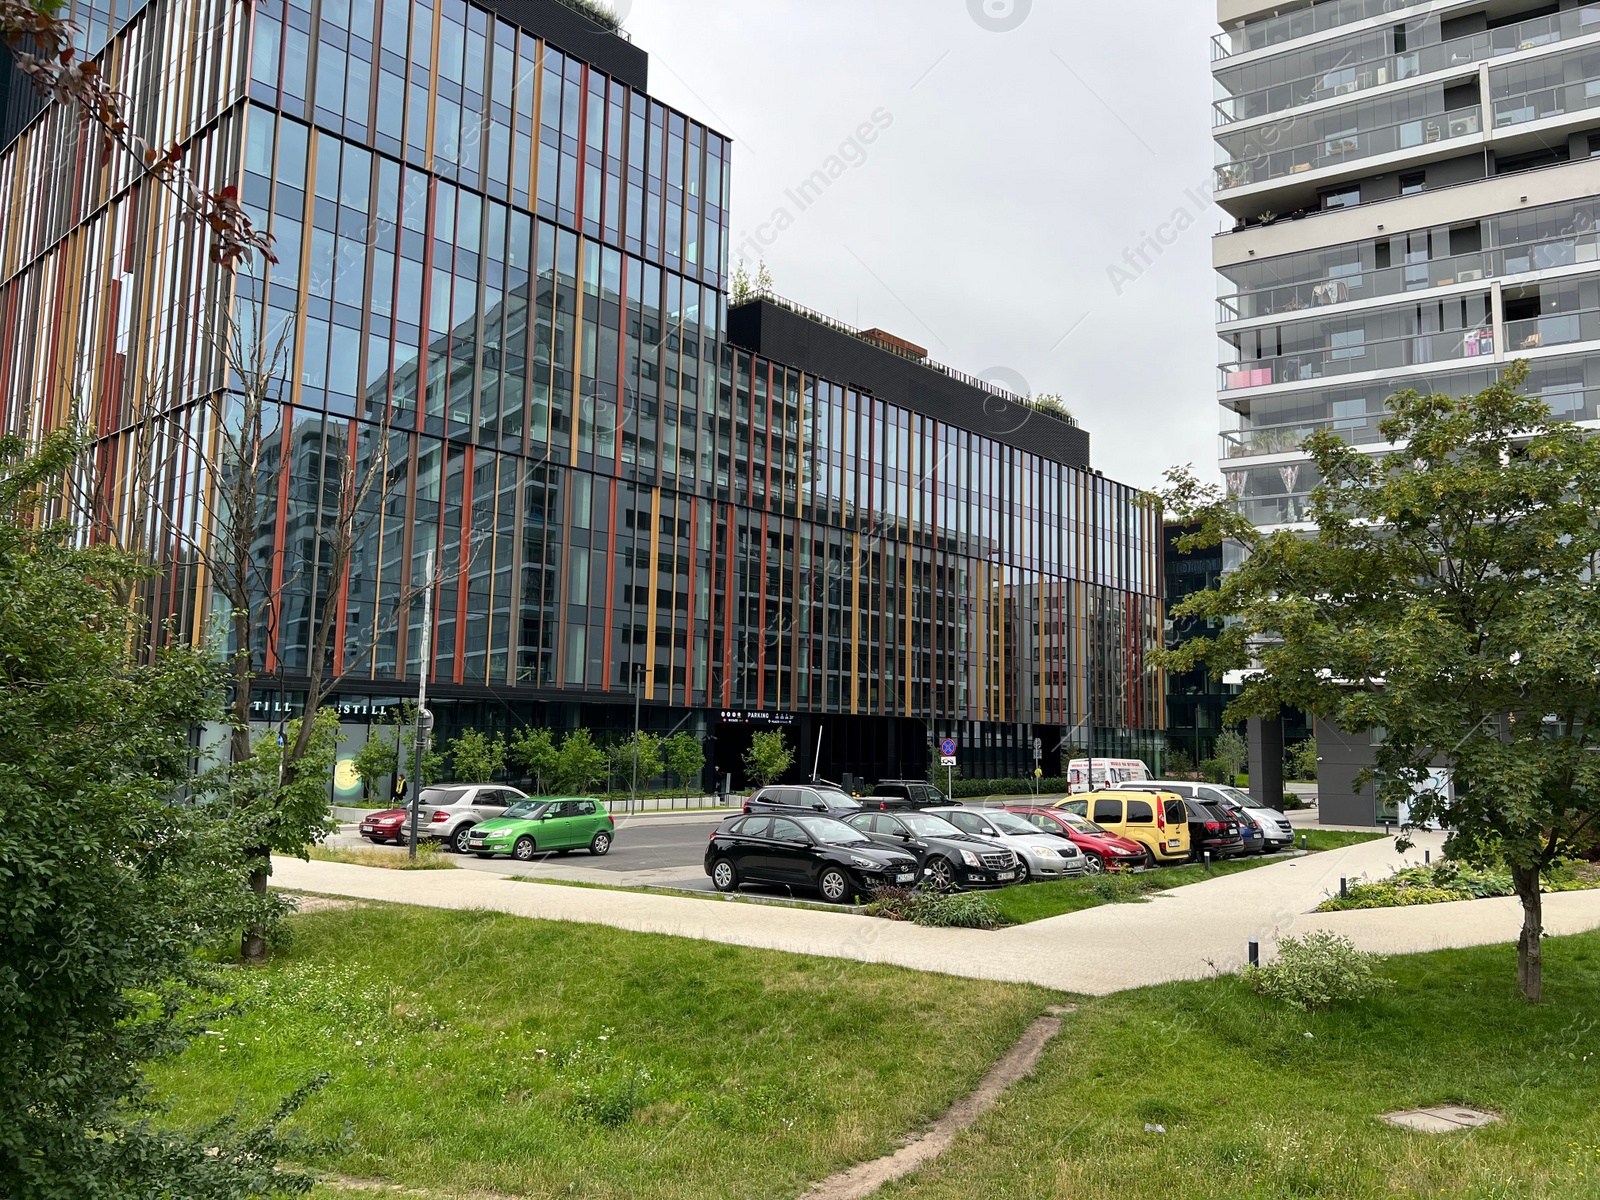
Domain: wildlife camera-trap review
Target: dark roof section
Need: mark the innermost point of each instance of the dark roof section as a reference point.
(571, 32)
(776, 332)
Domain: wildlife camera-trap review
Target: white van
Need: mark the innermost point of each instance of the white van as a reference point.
(1087, 775)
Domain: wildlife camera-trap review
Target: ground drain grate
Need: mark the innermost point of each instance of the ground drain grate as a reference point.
(1447, 1119)
(865, 1178)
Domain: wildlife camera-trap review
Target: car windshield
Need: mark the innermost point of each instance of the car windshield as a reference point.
(527, 810)
(1081, 824)
(1242, 799)
(831, 832)
(928, 825)
(1009, 823)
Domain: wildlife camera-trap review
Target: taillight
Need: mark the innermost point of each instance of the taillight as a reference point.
(1161, 816)
(441, 815)
(1213, 826)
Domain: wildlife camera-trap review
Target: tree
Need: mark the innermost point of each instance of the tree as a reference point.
(685, 758)
(630, 772)
(477, 757)
(534, 750)
(99, 927)
(1179, 764)
(1232, 752)
(580, 764)
(1303, 760)
(377, 759)
(1449, 597)
(768, 758)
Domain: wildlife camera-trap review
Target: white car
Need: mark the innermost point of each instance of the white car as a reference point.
(1041, 855)
(447, 812)
(1276, 832)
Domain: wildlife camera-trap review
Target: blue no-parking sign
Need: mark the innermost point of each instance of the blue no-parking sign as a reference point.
(947, 748)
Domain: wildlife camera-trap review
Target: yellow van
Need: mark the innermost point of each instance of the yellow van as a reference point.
(1158, 821)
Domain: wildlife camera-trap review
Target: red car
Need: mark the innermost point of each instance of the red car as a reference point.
(390, 825)
(1104, 850)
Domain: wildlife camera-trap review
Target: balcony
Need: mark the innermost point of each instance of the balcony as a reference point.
(1258, 163)
(1349, 352)
(1502, 262)
(1539, 90)
(1369, 63)
(1557, 329)
(1257, 35)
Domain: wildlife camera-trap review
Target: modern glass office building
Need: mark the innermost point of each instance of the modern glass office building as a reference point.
(1413, 189)
(502, 272)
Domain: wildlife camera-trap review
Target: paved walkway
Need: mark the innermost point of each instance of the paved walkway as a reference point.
(1187, 934)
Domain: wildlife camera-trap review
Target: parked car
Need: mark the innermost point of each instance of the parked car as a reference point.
(821, 798)
(1040, 855)
(904, 793)
(390, 825)
(531, 827)
(1276, 830)
(1213, 828)
(1159, 822)
(946, 857)
(448, 811)
(804, 850)
(1102, 849)
(1255, 840)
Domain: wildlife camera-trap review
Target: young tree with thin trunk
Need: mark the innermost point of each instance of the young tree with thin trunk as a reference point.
(1448, 596)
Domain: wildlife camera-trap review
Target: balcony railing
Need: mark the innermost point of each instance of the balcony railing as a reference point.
(1557, 329)
(1263, 164)
(1546, 102)
(1412, 277)
(1298, 24)
(1352, 79)
(1358, 357)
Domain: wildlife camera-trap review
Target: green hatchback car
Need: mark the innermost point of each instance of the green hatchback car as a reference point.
(531, 827)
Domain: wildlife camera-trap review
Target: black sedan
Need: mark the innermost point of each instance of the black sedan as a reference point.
(807, 851)
(948, 858)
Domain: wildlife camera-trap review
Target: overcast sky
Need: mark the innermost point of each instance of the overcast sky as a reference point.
(1020, 150)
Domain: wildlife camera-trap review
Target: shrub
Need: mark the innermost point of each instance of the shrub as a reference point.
(1291, 802)
(1317, 970)
(1213, 770)
(944, 910)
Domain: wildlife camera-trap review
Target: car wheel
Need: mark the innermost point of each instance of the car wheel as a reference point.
(1093, 863)
(941, 875)
(524, 850)
(834, 885)
(601, 845)
(1150, 858)
(1024, 872)
(458, 839)
(724, 876)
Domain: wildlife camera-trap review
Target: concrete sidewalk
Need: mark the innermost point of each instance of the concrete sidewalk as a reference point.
(1191, 933)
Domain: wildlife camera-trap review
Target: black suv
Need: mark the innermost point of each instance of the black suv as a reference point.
(904, 793)
(947, 857)
(1211, 828)
(811, 797)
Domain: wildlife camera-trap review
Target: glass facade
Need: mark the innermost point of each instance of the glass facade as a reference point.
(501, 282)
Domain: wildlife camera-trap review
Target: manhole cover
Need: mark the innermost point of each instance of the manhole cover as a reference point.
(1448, 1119)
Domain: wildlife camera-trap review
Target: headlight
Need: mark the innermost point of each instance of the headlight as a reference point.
(1047, 852)
(971, 859)
(864, 864)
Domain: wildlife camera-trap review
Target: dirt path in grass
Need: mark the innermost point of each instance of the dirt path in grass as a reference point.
(865, 1178)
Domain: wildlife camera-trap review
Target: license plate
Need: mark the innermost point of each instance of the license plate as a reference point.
(905, 877)
(1006, 876)
(1173, 844)
(366, 829)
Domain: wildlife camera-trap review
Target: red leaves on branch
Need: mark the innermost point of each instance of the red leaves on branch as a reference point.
(42, 44)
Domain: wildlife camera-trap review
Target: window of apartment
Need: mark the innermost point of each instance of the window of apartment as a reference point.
(1413, 182)
(1343, 198)
(1349, 343)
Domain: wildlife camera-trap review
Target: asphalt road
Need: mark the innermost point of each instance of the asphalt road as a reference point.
(664, 850)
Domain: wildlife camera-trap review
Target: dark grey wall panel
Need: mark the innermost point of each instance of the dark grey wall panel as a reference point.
(1341, 756)
(577, 35)
(786, 337)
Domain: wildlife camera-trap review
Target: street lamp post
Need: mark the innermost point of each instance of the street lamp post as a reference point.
(424, 727)
(638, 690)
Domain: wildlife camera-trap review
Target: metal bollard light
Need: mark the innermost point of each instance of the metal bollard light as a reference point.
(1207, 855)
(1427, 857)
(1255, 953)
(1305, 841)
(1344, 888)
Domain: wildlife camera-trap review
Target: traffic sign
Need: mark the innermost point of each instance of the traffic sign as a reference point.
(947, 760)
(1038, 745)
(947, 748)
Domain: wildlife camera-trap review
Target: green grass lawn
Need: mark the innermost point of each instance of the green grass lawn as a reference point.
(1336, 839)
(1255, 1108)
(490, 1052)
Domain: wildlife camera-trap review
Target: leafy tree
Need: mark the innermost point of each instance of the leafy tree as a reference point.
(1214, 770)
(377, 759)
(685, 758)
(405, 718)
(107, 887)
(476, 757)
(1303, 760)
(1232, 752)
(1449, 597)
(768, 758)
(1179, 764)
(622, 762)
(534, 750)
(580, 764)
